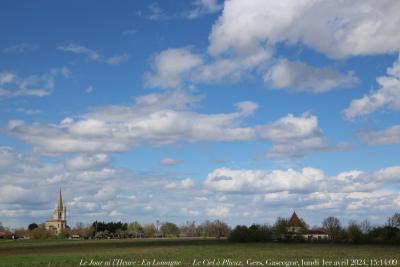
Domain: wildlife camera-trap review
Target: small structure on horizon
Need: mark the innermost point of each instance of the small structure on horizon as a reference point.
(295, 225)
(297, 229)
(59, 220)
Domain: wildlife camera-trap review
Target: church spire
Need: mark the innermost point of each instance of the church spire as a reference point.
(59, 203)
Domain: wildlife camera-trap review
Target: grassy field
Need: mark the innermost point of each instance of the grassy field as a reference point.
(189, 252)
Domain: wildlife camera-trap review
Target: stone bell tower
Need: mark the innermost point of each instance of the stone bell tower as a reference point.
(59, 220)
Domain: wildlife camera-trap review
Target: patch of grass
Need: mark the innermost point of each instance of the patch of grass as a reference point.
(68, 253)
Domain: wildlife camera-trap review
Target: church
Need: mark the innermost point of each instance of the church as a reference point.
(59, 220)
(297, 229)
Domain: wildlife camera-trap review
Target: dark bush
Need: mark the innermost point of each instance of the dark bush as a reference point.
(254, 233)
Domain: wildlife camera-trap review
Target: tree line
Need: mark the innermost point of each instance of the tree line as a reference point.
(112, 230)
(355, 233)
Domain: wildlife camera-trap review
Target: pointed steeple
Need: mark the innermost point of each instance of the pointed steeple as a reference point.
(294, 220)
(59, 202)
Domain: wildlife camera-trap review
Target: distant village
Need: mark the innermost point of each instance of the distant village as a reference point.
(293, 229)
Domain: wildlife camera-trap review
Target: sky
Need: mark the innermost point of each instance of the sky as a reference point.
(242, 111)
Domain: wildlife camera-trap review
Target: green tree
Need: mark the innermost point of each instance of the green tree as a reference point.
(149, 230)
(189, 229)
(169, 229)
(354, 233)
(215, 228)
(41, 233)
(279, 229)
(32, 226)
(135, 227)
(65, 233)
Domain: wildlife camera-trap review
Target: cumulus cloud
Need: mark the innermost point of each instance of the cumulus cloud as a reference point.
(84, 162)
(389, 136)
(297, 76)
(93, 55)
(338, 31)
(228, 180)
(390, 174)
(155, 119)
(12, 85)
(387, 95)
(97, 192)
(294, 136)
(170, 66)
(169, 118)
(310, 188)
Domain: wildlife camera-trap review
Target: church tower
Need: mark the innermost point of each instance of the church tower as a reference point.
(59, 220)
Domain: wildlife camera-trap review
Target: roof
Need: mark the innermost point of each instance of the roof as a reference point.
(294, 220)
(317, 232)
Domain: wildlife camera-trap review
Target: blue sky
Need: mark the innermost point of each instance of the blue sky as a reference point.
(204, 109)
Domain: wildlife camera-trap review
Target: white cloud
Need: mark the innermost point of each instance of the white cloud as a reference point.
(227, 180)
(293, 136)
(357, 28)
(7, 156)
(389, 136)
(162, 119)
(21, 48)
(203, 7)
(219, 211)
(154, 12)
(93, 54)
(79, 49)
(117, 59)
(169, 162)
(297, 76)
(170, 66)
(12, 85)
(225, 193)
(232, 69)
(390, 174)
(85, 162)
(181, 184)
(387, 95)
(155, 119)
(7, 77)
(242, 42)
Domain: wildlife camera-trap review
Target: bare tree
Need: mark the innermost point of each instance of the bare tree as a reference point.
(332, 226)
(394, 221)
(365, 226)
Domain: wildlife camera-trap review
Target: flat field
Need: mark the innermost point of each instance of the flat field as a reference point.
(189, 252)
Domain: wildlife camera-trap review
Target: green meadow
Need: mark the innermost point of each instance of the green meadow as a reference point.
(190, 252)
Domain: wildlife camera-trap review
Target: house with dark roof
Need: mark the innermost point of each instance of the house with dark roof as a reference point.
(297, 229)
(316, 234)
